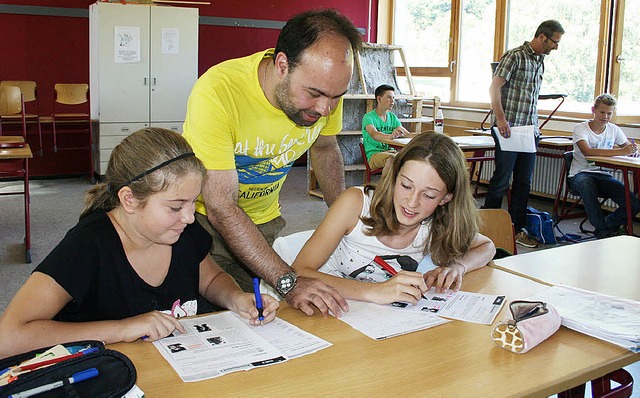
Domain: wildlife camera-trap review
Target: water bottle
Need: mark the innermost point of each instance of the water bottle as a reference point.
(439, 125)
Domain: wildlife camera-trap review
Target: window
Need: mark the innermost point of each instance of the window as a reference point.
(450, 44)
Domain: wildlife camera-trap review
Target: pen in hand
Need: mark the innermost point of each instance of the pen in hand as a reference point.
(385, 266)
(256, 291)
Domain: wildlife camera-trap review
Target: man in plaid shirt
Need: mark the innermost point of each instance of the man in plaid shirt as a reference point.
(514, 97)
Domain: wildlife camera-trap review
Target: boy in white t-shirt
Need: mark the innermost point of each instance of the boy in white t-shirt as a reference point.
(598, 137)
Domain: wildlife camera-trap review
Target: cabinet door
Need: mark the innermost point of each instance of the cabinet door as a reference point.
(174, 61)
(122, 79)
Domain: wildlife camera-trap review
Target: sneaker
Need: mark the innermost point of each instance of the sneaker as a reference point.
(525, 240)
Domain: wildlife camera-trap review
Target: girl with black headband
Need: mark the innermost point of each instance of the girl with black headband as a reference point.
(135, 261)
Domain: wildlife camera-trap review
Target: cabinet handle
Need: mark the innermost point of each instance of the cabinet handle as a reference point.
(144, 81)
(155, 81)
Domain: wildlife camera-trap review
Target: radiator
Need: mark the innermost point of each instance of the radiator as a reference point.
(545, 175)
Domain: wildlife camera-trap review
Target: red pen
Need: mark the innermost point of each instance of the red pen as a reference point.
(55, 360)
(385, 265)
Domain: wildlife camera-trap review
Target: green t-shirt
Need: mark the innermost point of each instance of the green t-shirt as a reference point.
(372, 146)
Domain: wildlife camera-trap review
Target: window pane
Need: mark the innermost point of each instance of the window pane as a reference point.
(428, 87)
(476, 50)
(572, 68)
(422, 29)
(629, 91)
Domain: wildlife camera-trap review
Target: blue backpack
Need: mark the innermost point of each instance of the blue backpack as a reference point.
(540, 226)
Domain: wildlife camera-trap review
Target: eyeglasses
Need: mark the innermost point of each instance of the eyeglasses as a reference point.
(557, 43)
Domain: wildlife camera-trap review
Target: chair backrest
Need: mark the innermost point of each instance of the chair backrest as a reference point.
(71, 94)
(28, 88)
(10, 101)
(496, 225)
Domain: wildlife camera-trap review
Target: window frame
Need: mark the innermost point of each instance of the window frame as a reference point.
(607, 69)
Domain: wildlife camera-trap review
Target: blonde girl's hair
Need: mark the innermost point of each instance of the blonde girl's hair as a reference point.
(148, 161)
(453, 226)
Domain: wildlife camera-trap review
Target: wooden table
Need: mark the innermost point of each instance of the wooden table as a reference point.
(610, 266)
(14, 162)
(625, 164)
(455, 359)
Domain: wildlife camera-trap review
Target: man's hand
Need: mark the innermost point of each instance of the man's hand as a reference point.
(310, 292)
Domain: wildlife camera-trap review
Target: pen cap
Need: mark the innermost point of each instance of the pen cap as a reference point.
(84, 375)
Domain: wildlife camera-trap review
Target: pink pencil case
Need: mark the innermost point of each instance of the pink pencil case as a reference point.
(530, 324)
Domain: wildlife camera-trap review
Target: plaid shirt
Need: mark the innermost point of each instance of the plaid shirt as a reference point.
(523, 70)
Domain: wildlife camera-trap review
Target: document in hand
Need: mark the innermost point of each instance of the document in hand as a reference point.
(522, 139)
(222, 343)
(608, 318)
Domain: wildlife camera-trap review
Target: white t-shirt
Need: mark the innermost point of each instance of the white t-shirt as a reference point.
(611, 136)
(353, 258)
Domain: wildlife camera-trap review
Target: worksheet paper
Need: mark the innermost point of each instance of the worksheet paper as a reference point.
(605, 317)
(383, 321)
(522, 139)
(222, 343)
(462, 306)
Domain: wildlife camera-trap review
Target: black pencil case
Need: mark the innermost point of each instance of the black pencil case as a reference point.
(116, 373)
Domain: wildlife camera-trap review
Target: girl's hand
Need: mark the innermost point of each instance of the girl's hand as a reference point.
(151, 326)
(405, 286)
(445, 278)
(245, 306)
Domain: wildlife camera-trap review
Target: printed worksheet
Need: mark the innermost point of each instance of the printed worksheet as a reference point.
(463, 306)
(383, 321)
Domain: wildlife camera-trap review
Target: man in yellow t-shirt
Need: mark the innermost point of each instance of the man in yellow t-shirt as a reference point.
(248, 120)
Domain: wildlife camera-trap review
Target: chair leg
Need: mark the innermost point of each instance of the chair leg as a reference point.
(55, 142)
(27, 213)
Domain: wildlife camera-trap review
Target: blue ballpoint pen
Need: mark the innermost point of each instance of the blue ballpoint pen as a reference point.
(75, 378)
(256, 291)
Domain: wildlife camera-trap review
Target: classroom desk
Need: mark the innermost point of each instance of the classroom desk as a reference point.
(454, 359)
(610, 266)
(14, 162)
(625, 164)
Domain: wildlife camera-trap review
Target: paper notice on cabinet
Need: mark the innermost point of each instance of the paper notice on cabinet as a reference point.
(126, 45)
(170, 41)
(522, 139)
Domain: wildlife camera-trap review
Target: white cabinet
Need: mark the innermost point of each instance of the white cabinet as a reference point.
(143, 64)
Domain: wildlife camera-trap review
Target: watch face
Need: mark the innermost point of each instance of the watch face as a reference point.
(286, 283)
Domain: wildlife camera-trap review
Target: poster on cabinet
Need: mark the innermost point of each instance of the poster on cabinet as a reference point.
(127, 44)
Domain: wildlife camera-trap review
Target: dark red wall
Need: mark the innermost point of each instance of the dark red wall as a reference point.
(52, 49)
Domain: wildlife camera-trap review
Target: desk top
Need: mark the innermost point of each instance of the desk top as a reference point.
(610, 266)
(454, 359)
(626, 161)
(14, 153)
(465, 142)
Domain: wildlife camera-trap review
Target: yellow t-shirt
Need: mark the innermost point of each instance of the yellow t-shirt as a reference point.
(231, 125)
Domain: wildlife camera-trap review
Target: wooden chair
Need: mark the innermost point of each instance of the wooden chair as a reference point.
(71, 109)
(14, 165)
(368, 171)
(496, 225)
(29, 91)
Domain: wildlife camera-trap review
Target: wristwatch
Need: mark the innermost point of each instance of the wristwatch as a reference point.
(285, 283)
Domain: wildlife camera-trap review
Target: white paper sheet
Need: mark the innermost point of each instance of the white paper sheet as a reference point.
(126, 44)
(383, 321)
(222, 343)
(522, 139)
(608, 318)
(463, 306)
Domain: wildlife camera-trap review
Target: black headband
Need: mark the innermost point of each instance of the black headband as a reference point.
(151, 170)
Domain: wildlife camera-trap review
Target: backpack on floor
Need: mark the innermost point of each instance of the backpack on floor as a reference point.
(540, 226)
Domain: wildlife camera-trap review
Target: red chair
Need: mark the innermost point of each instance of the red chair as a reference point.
(601, 387)
(14, 154)
(71, 109)
(368, 171)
